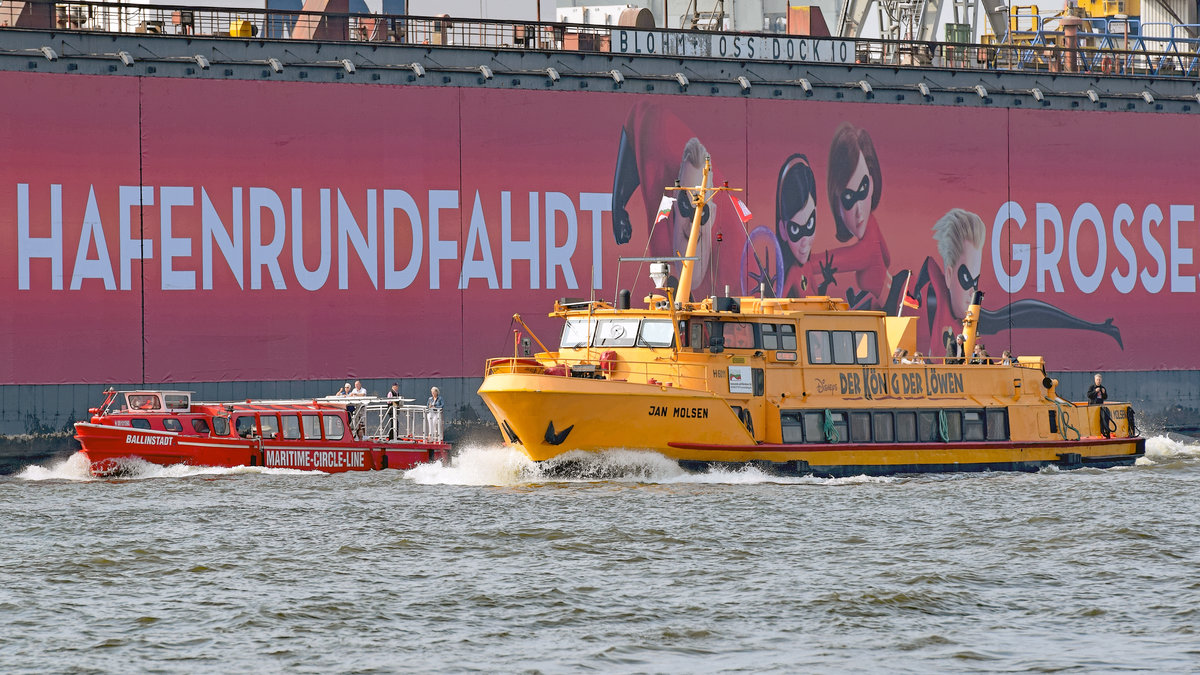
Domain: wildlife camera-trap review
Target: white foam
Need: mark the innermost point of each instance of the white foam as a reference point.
(500, 465)
(76, 468)
(1160, 449)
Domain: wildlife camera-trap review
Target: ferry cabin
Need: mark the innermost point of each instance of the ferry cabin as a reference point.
(799, 382)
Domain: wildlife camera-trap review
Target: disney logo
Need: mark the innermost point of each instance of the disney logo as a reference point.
(823, 388)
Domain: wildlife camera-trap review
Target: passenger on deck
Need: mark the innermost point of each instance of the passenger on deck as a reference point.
(918, 358)
(957, 352)
(1006, 358)
(344, 391)
(1097, 394)
(433, 414)
(904, 357)
(358, 389)
(984, 357)
(394, 392)
(897, 355)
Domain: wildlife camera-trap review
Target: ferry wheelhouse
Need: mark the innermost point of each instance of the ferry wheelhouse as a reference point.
(799, 386)
(332, 434)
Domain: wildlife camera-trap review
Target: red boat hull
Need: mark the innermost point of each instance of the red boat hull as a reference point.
(105, 445)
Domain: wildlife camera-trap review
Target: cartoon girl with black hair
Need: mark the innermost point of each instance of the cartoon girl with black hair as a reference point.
(796, 227)
(854, 188)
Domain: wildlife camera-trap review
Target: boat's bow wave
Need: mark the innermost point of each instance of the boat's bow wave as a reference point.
(76, 467)
(499, 465)
(1170, 448)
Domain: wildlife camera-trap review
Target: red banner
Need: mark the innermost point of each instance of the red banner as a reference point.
(178, 230)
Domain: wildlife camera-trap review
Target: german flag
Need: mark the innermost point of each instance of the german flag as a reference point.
(912, 301)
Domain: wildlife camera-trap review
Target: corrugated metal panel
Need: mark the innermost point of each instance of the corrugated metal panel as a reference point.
(1158, 17)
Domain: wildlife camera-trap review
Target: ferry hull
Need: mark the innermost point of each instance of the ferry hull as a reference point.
(106, 446)
(547, 416)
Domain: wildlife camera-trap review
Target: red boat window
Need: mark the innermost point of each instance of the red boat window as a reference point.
(245, 426)
(139, 423)
(291, 427)
(335, 428)
(312, 427)
(172, 424)
(201, 426)
(143, 402)
(270, 425)
(221, 426)
(176, 401)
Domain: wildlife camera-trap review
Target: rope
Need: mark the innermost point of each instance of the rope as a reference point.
(943, 430)
(831, 432)
(1064, 422)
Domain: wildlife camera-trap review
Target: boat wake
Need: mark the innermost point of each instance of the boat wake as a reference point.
(75, 468)
(498, 465)
(1170, 448)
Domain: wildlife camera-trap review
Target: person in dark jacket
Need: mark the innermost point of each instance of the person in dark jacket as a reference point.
(1097, 394)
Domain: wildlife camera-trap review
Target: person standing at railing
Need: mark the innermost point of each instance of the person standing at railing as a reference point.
(433, 414)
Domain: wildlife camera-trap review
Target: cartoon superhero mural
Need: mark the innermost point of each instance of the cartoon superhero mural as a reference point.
(943, 290)
(796, 228)
(855, 185)
(657, 150)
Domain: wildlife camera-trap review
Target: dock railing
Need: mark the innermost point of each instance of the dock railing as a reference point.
(1098, 46)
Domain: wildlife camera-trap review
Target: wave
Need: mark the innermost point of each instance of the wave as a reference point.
(1170, 448)
(75, 468)
(499, 465)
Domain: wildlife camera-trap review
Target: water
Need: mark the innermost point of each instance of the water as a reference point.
(487, 565)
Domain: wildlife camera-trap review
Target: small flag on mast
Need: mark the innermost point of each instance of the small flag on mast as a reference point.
(743, 211)
(664, 209)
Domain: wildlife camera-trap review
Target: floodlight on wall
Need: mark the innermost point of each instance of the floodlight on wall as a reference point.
(865, 86)
(682, 80)
(979, 89)
(1147, 96)
(1092, 95)
(616, 76)
(806, 86)
(924, 89)
(745, 82)
(201, 61)
(349, 66)
(49, 53)
(418, 69)
(486, 72)
(553, 75)
(125, 57)
(276, 64)
(1037, 94)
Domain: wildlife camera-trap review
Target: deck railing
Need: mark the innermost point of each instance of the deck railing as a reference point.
(1033, 43)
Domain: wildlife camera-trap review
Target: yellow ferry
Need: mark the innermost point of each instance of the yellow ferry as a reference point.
(796, 386)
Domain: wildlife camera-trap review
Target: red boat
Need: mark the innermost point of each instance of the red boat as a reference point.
(333, 434)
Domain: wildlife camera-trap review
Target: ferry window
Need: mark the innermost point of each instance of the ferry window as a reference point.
(739, 334)
(881, 427)
(860, 427)
(787, 337)
(972, 425)
(814, 427)
(312, 426)
(698, 338)
(791, 427)
(954, 425)
(997, 425)
(838, 419)
(906, 426)
(770, 339)
(172, 424)
(843, 346)
(270, 425)
(200, 426)
(139, 423)
(927, 426)
(614, 333)
(245, 426)
(683, 333)
(818, 346)
(143, 402)
(758, 375)
(656, 333)
(176, 401)
(864, 347)
(575, 333)
(291, 427)
(221, 426)
(334, 427)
